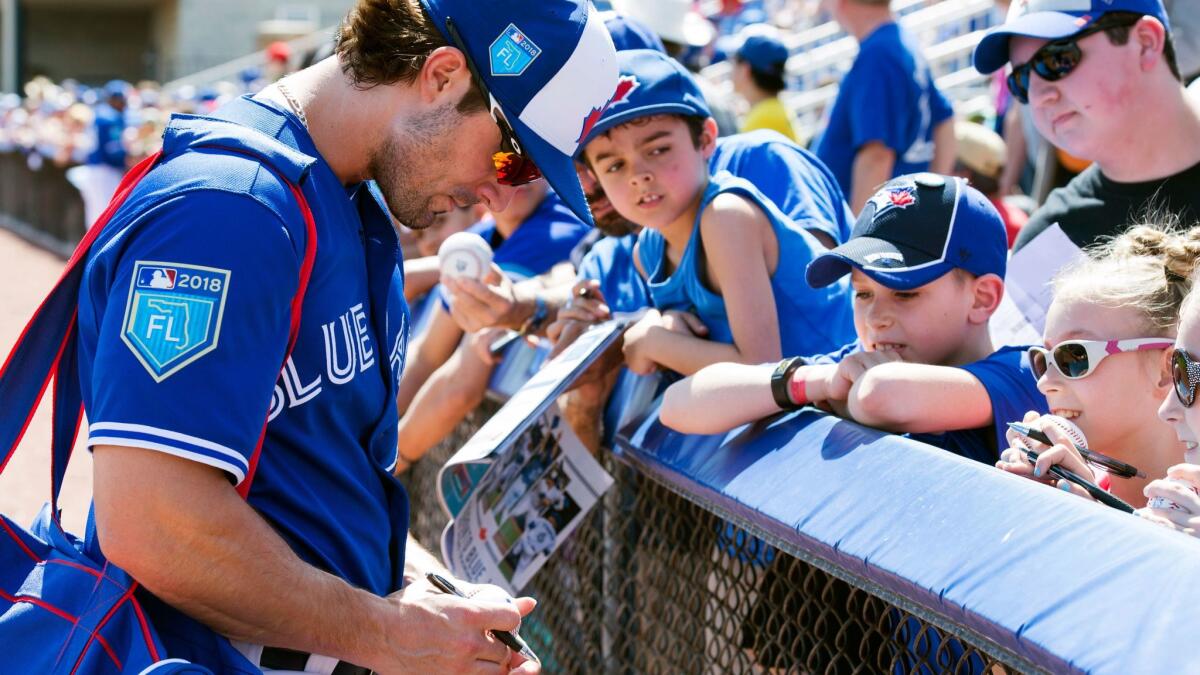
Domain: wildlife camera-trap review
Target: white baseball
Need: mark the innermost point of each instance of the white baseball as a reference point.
(1073, 431)
(464, 254)
(1168, 505)
(490, 593)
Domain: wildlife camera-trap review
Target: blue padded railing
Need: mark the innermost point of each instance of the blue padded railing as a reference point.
(1027, 575)
(1053, 582)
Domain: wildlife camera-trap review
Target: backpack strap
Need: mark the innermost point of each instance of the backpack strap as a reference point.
(39, 351)
(47, 350)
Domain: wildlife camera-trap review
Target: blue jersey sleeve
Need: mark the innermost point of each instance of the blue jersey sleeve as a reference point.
(1010, 385)
(184, 323)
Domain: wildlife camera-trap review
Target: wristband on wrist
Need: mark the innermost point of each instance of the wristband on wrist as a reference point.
(539, 316)
(787, 395)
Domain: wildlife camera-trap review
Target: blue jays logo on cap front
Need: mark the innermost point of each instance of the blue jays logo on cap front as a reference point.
(897, 195)
(512, 52)
(173, 315)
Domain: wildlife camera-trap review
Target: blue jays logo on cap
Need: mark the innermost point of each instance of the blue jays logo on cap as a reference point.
(512, 52)
(173, 315)
(626, 85)
(897, 195)
(651, 83)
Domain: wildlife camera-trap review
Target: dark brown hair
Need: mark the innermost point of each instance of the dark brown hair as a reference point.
(1119, 35)
(388, 41)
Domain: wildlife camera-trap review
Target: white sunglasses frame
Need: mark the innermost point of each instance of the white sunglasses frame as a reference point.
(1097, 351)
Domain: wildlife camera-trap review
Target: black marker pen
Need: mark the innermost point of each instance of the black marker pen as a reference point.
(511, 640)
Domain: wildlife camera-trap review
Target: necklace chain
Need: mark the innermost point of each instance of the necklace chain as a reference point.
(287, 95)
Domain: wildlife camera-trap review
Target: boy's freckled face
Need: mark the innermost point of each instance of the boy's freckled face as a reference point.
(925, 325)
(650, 169)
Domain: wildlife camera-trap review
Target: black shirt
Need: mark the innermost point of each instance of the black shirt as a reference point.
(1092, 206)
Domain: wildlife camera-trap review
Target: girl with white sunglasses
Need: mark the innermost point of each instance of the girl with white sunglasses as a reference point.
(1108, 334)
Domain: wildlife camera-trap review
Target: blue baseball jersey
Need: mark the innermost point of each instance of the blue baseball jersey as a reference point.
(791, 177)
(811, 320)
(184, 320)
(888, 96)
(1008, 379)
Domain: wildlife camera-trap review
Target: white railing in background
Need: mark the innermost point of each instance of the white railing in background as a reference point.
(948, 31)
(231, 70)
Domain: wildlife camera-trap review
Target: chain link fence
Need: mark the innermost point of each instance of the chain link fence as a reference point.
(656, 582)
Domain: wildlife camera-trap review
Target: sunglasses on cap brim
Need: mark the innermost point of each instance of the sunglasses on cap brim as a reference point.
(1076, 359)
(513, 166)
(1055, 60)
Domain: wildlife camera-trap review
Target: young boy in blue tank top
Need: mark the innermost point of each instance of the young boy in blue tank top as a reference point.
(723, 263)
(927, 259)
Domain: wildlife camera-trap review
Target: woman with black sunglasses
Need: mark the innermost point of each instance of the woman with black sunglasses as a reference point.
(1175, 500)
(1108, 332)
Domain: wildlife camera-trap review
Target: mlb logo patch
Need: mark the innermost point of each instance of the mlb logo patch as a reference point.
(512, 52)
(157, 277)
(173, 314)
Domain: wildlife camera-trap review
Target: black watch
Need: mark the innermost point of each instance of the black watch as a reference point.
(781, 379)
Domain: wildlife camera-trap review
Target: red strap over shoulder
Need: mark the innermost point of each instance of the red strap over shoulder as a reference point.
(46, 347)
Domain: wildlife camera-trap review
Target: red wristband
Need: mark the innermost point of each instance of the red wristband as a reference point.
(797, 390)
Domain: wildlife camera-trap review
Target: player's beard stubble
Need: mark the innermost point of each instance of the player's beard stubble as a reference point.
(409, 166)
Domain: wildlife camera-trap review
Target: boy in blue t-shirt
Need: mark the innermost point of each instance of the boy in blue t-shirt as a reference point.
(927, 260)
(712, 246)
(889, 117)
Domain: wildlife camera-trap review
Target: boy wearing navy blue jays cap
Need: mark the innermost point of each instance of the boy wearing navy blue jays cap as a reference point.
(723, 264)
(927, 260)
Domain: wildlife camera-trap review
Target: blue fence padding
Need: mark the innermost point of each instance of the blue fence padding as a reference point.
(1058, 582)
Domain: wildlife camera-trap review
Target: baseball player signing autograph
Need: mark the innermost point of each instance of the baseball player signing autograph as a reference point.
(291, 552)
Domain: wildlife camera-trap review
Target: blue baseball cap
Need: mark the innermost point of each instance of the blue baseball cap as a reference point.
(764, 53)
(551, 67)
(116, 89)
(1052, 20)
(915, 229)
(651, 83)
(629, 33)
